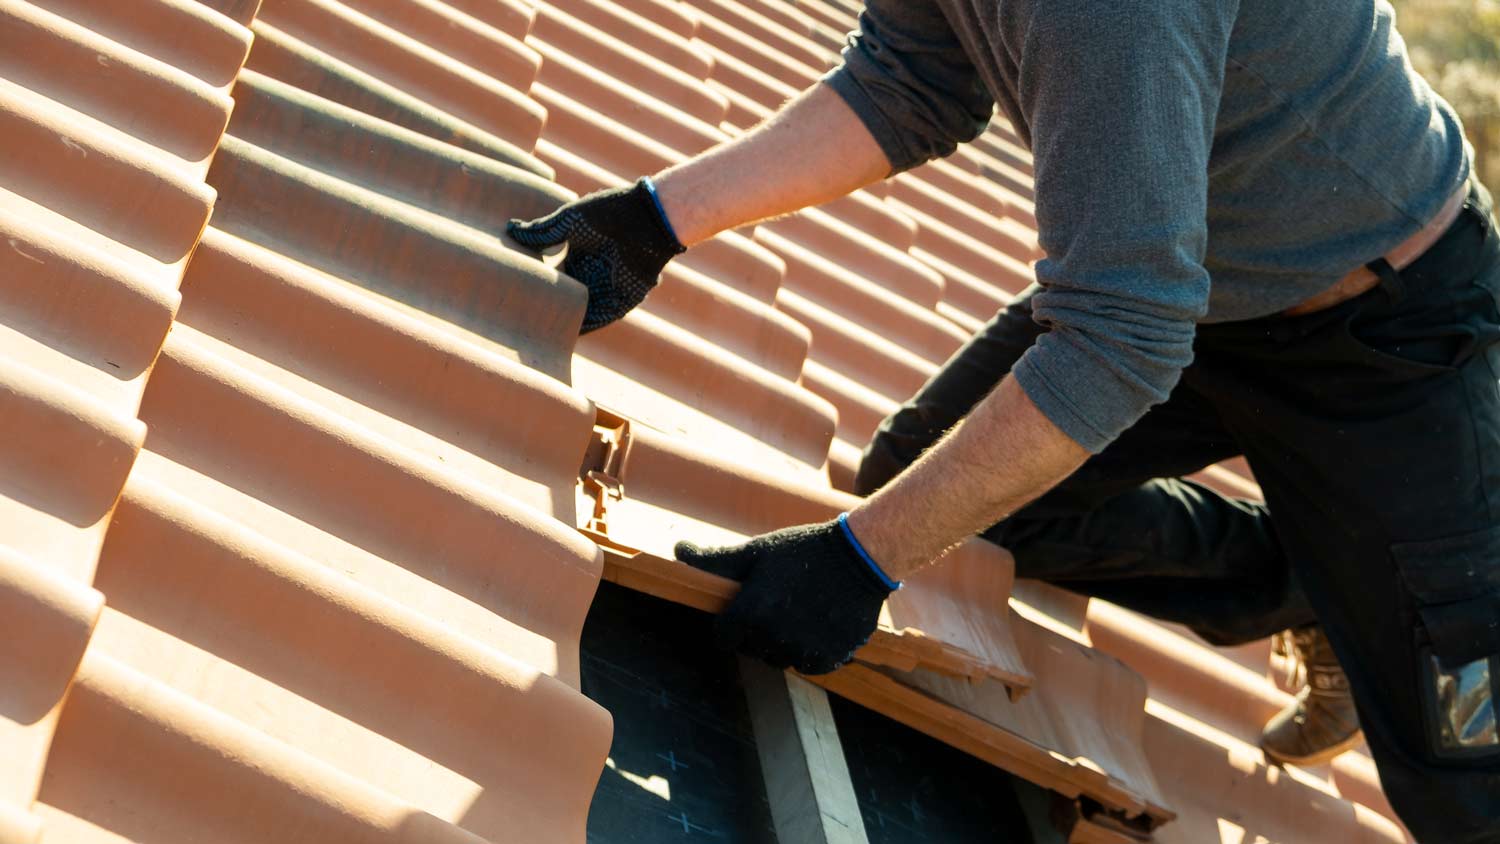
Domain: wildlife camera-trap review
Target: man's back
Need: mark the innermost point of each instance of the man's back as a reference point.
(1307, 104)
(1196, 161)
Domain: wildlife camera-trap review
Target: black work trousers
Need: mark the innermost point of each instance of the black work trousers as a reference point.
(1373, 428)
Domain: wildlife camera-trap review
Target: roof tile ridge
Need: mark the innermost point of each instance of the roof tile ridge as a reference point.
(205, 410)
(101, 177)
(185, 34)
(132, 92)
(281, 55)
(398, 250)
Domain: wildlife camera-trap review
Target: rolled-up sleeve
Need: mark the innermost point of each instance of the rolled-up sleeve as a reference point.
(1121, 98)
(906, 76)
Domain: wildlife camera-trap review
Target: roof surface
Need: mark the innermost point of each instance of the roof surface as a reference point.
(289, 494)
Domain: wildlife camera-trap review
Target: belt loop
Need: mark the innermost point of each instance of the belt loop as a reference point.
(1390, 280)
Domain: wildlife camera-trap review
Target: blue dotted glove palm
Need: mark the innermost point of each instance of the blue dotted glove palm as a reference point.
(618, 242)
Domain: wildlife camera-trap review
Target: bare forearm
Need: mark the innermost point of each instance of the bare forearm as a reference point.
(1004, 454)
(814, 150)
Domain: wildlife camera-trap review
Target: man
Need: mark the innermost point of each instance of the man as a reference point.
(1262, 239)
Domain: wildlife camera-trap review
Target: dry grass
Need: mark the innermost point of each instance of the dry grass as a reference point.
(1455, 44)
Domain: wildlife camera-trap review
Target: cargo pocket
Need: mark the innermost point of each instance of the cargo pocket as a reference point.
(1454, 584)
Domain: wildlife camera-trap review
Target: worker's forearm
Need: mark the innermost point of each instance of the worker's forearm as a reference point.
(814, 150)
(1004, 454)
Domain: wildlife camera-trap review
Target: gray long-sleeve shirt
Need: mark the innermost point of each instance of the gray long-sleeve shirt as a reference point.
(1196, 161)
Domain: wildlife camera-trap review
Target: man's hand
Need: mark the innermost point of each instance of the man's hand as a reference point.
(618, 241)
(808, 598)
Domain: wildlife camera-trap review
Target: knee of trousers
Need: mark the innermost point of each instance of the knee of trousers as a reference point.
(897, 443)
(877, 466)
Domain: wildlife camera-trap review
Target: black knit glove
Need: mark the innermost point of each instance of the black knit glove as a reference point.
(618, 241)
(808, 599)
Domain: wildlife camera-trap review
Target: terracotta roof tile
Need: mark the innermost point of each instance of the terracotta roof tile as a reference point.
(101, 202)
(598, 90)
(638, 69)
(136, 94)
(365, 544)
(296, 62)
(467, 40)
(1223, 791)
(743, 111)
(678, 17)
(751, 80)
(646, 35)
(780, 29)
(181, 33)
(515, 17)
(742, 324)
(710, 395)
(740, 31)
(843, 338)
(418, 69)
(1000, 143)
(904, 322)
(797, 22)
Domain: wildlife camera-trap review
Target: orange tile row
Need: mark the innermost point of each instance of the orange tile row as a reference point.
(335, 584)
(110, 119)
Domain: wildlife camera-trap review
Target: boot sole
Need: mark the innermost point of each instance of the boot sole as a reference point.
(1325, 755)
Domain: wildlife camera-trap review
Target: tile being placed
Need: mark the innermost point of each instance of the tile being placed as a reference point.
(1079, 732)
(644, 490)
(672, 489)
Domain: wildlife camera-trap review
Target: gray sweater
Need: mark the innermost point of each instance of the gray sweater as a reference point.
(1196, 161)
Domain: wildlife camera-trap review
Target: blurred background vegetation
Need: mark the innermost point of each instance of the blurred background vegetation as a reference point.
(1455, 44)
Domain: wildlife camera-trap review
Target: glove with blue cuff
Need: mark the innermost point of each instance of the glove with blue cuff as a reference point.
(809, 597)
(618, 242)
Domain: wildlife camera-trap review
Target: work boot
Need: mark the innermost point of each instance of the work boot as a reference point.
(1321, 723)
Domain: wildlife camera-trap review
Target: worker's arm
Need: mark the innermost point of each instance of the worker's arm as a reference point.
(905, 93)
(811, 595)
(1121, 99)
(1000, 457)
(812, 151)
(619, 240)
